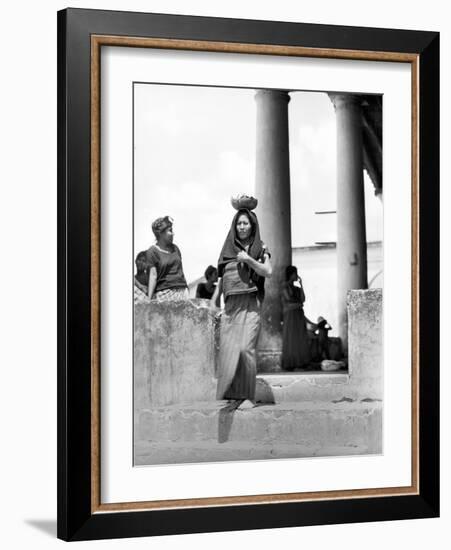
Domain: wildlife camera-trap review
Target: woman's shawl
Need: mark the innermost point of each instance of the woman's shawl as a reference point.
(232, 246)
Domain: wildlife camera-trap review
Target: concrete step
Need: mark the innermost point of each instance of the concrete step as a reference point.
(151, 453)
(288, 387)
(280, 430)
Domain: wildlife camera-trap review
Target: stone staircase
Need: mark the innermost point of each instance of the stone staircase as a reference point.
(216, 431)
(178, 420)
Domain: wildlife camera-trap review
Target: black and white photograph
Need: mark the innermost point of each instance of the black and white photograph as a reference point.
(258, 274)
(225, 283)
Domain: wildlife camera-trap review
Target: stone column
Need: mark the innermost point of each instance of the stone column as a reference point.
(351, 231)
(272, 188)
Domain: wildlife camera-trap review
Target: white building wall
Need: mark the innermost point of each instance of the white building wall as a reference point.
(317, 268)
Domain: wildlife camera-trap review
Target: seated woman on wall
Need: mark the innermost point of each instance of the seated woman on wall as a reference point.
(141, 279)
(207, 289)
(295, 343)
(243, 266)
(166, 278)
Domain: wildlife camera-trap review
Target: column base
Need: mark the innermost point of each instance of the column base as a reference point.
(269, 360)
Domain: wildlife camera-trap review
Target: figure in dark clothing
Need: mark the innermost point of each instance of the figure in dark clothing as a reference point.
(295, 340)
(141, 278)
(142, 269)
(322, 329)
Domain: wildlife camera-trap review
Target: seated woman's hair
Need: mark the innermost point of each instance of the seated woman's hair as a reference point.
(209, 271)
(140, 256)
(289, 271)
(161, 224)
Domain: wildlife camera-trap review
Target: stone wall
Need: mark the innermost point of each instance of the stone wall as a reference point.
(365, 341)
(174, 357)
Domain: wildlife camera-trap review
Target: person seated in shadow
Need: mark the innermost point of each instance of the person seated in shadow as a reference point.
(322, 329)
(141, 279)
(207, 289)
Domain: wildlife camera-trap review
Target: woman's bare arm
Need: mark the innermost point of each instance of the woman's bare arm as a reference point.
(215, 300)
(311, 326)
(302, 297)
(263, 269)
(152, 281)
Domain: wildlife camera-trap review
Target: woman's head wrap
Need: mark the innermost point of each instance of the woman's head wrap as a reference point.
(161, 224)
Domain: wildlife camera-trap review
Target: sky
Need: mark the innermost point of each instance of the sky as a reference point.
(194, 147)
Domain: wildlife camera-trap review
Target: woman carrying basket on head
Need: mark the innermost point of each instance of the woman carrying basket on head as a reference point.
(243, 265)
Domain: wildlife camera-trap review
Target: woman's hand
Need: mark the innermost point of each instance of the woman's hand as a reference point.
(261, 268)
(243, 257)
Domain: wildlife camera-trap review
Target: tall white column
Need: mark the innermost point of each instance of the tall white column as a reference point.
(351, 230)
(272, 188)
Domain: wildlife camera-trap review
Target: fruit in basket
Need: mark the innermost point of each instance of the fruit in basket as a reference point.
(244, 201)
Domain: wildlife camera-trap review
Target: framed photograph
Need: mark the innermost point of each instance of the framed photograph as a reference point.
(248, 274)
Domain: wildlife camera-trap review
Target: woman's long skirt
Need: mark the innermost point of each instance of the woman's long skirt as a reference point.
(237, 366)
(296, 343)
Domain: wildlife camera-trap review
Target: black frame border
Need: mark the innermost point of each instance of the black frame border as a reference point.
(75, 519)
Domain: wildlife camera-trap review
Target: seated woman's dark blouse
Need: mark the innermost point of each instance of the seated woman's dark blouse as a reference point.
(168, 266)
(203, 292)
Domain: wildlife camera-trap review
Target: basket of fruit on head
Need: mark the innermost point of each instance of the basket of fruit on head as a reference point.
(244, 201)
